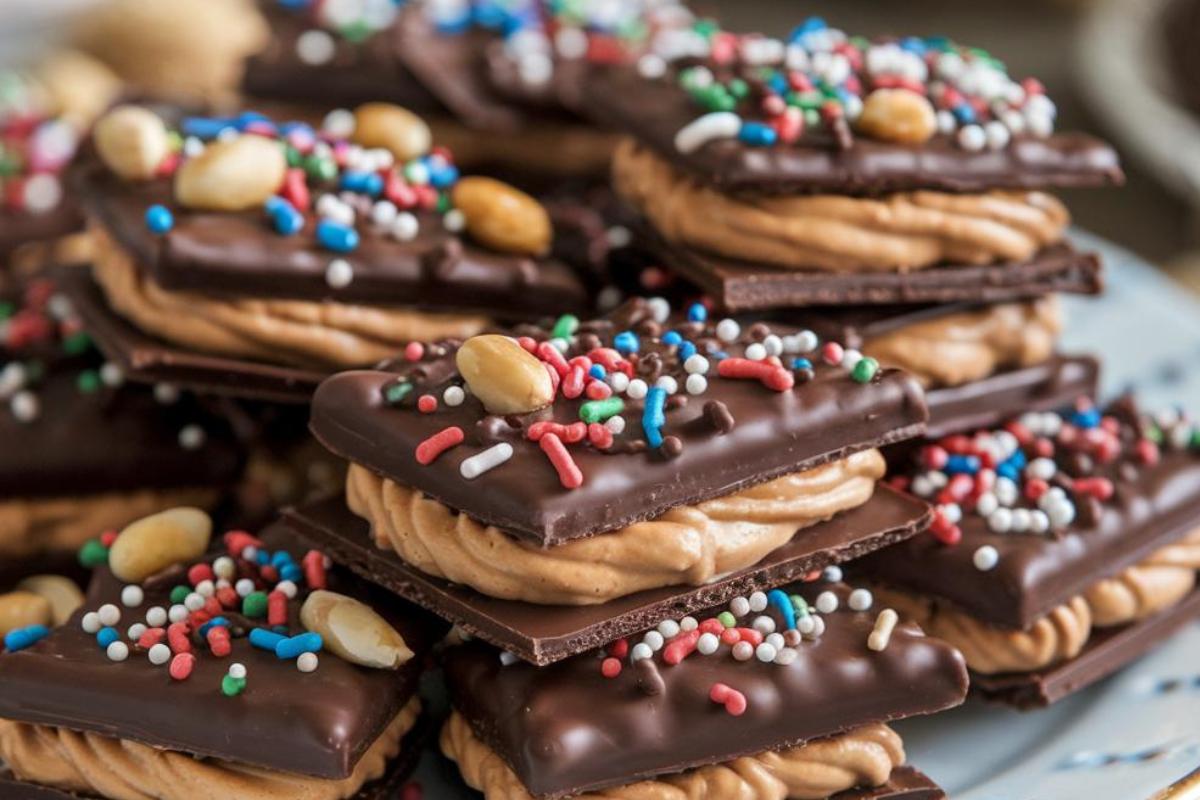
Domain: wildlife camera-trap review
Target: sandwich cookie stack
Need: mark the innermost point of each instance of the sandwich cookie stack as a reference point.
(1065, 545)
(586, 500)
(240, 667)
(899, 184)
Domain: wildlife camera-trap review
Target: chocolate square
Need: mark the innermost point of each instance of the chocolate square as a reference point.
(544, 634)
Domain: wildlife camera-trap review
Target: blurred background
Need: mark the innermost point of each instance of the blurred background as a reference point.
(1119, 68)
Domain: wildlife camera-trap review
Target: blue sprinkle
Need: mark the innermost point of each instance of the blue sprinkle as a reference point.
(686, 351)
(957, 464)
(598, 372)
(336, 237)
(810, 25)
(801, 363)
(206, 128)
(782, 602)
(1086, 419)
(274, 203)
(107, 636)
(264, 639)
(1018, 459)
(697, 312)
(778, 84)
(263, 558)
(291, 572)
(758, 134)
(159, 219)
(441, 174)
(652, 415)
(362, 183)
(215, 622)
(913, 45)
(672, 337)
(282, 630)
(626, 342)
(21, 638)
(280, 558)
(293, 647)
(1007, 470)
(964, 113)
(288, 221)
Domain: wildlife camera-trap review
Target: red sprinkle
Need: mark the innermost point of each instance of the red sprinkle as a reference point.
(832, 352)
(218, 641)
(200, 573)
(212, 606)
(427, 404)
(598, 390)
(681, 646)
(769, 375)
(108, 537)
(550, 354)
(269, 573)
(571, 434)
(572, 382)
(177, 637)
(1147, 451)
(228, 597)
(434, 446)
(414, 351)
(945, 531)
(619, 648)
(198, 619)
(569, 474)
(182, 665)
(236, 543)
(555, 378)
(733, 700)
(600, 436)
(610, 667)
(295, 189)
(314, 569)
(1100, 488)
(711, 625)
(529, 343)
(277, 603)
(151, 637)
(750, 635)
(731, 636)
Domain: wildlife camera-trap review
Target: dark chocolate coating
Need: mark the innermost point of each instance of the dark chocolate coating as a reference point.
(240, 255)
(544, 634)
(655, 110)
(566, 728)
(746, 286)
(19, 228)
(1107, 651)
(318, 724)
(1036, 573)
(776, 433)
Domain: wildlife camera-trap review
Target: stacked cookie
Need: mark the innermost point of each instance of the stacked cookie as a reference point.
(899, 184)
(642, 507)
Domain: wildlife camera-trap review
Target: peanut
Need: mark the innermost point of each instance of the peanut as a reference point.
(132, 142)
(502, 217)
(62, 594)
(897, 115)
(22, 609)
(235, 175)
(393, 128)
(353, 631)
(505, 378)
(153, 543)
(79, 86)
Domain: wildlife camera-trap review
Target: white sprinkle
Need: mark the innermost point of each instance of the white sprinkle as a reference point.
(707, 128)
(668, 383)
(288, 588)
(156, 617)
(244, 587)
(998, 135)
(405, 227)
(237, 671)
(827, 602)
(758, 602)
(654, 640)
(743, 651)
(850, 358)
(315, 47)
(454, 396)
(1043, 468)
(383, 213)
(785, 656)
(507, 658)
(861, 599)
(756, 352)
(818, 627)
(339, 273)
(91, 622)
(885, 623)
(728, 330)
(951, 512)
(206, 588)
(308, 662)
(132, 596)
(109, 615)
(1022, 520)
(178, 613)
(159, 654)
(224, 567)
(806, 624)
(135, 632)
(763, 624)
(833, 574)
(1061, 513)
(616, 424)
(688, 624)
(454, 220)
(118, 651)
(619, 382)
(1000, 520)
(192, 437)
(491, 458)
(640, 651)
(986, 558)
(25, 406)
(696, 384)
(659, 308)
(669, 628)
(637, 389)
(987, 504)
(807, 341)
(971, 138)
(773, 345)
(765, 653)
(194, 601)
(739, 606)
(696, 364)
(111, 375)
(708, 643)
(775, 640)
(1038, 521)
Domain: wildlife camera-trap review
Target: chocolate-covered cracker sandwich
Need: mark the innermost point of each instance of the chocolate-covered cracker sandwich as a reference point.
(979, 363)
(1063, 546)
(268, 252)
(830, 169)
(595, 474)
(241, 667)
(84, 450)
(775, 696)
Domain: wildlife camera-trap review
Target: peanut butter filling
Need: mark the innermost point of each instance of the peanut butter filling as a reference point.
(863, 757)
(29, 526)
(296, 332)
(960, 348)
(689, 545)
(899, 232)
(1159, 582)
(121, 770)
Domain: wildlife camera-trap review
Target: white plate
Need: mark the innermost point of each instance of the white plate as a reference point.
(1126, 738)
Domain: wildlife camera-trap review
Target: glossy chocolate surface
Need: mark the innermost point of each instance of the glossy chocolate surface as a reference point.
(100, 438)
(542, 634)
(655, 110)
(746, 286)
(1152, 506)
(316, 724)
(566, 728)
(240, 255)
(823, 418)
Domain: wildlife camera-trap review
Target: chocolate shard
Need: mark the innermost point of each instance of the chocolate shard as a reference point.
(316, 724)
(778, 431)
(546, 634)
(566, 728)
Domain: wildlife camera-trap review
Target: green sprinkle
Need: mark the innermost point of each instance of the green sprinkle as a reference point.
(35, 368)
(727, 619)
(600, 410)
(179, 594)
(88, 381)
(76, 344)
(800, 605)
(739, 88)
(357, 32)
(294, 159)
(444, 202)
(7, 310)
(322, 169)
(565, 327)
(395, 393)
(1154, 434)
(232, 687)
(865, 369)
(93, 554)
(254, 605)
(1194, 442)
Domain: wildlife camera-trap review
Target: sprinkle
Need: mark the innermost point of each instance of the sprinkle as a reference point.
(758, 602)
(865, 370)
(571, 434)
(117, 651)
(181, 666)
(265, 639)
(885, 623)
(132, 596)
(708, 128)
(565, 327)
(728, 330)
(231, 686)
(707, 644)
(610, 667)
(780, 601)
(21, 638)
(159, 219)
(733, 700)
(339, 274)
(860, 599)
(336, 236)
(652, 415)
(986, 558)
(159, 654)
(109, 615)
(489, 459)
(727, 619)
(428, 450)
(427, 404)
(771, 376)
(291, 647)
(308, 662)
(569, 474)
(454, 396)
(255, 604)
(601, 410)
(743, 651)
(827, 602)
